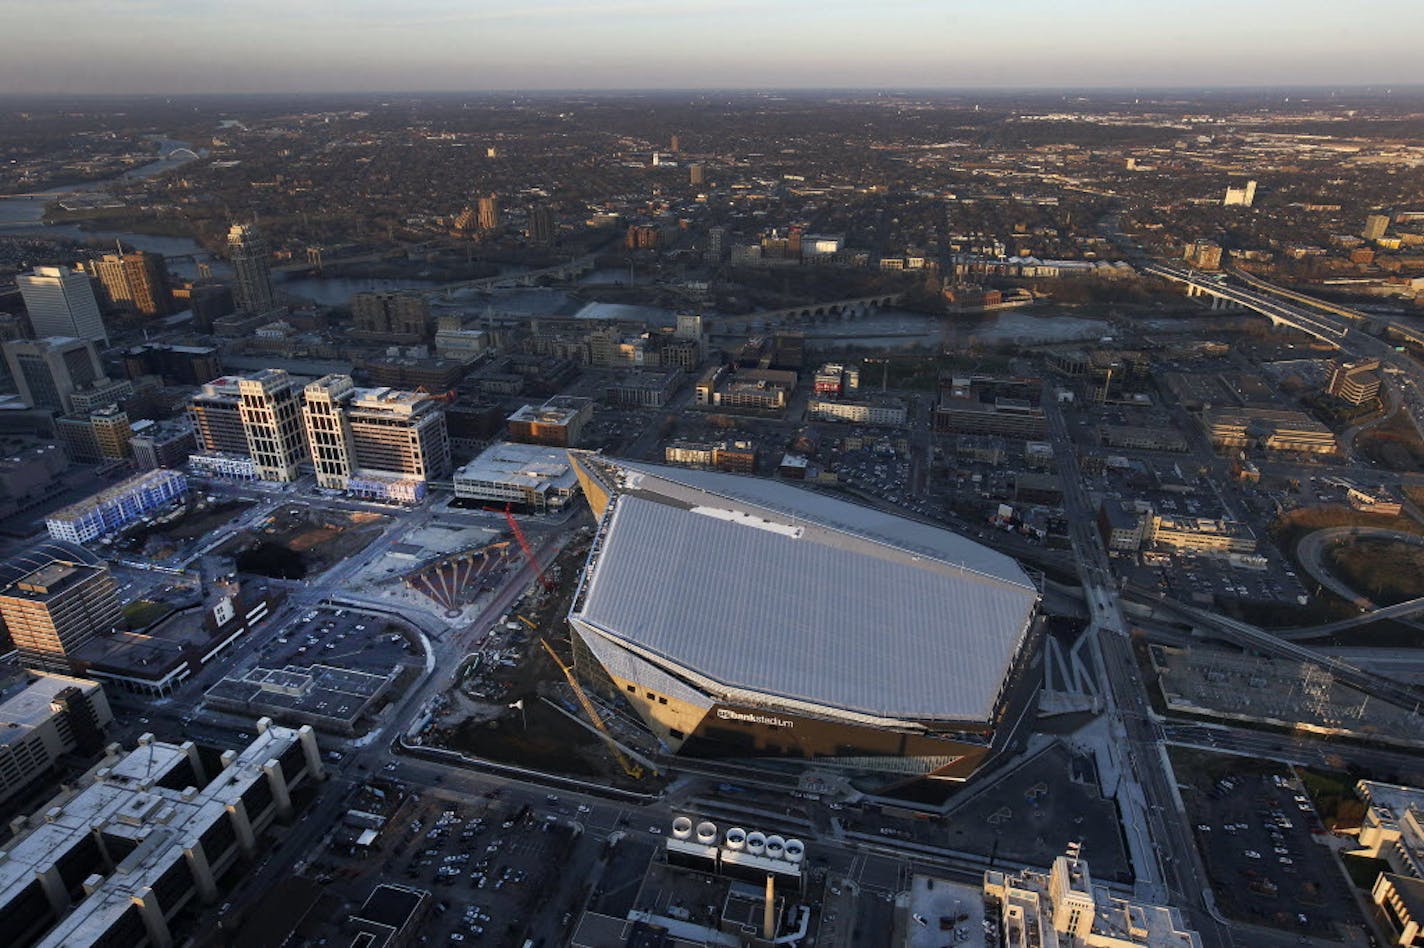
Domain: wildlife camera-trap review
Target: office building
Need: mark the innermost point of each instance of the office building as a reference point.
(61, 302)
(756, 389)
(706, 592)
(375, 442)
(716, 244)
(252, 265)
(1066, 907)
(1356, 382)
(734, 456)
(835, 379)
(269, 402)
(1376, 225)
(530, 477)
(697, 175)
(878, 411)
(487, 213)
(542, 224)
(211, 302)
(93, 437)
(54, 598)
(126, 857)
(176, 365)
(1199, 535)
(1271, 429)
(558, 422)
(53, 716)
(48, 371)
(117, 506)
(161, 444)
(396, 317)
(969, 407)
(216, 420)
(644, 389)
(1203, 254)
(136, 281)
(1243, 196)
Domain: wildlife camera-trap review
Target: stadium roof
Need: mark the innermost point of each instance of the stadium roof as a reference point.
(777, 592)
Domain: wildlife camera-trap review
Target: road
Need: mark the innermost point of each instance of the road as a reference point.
(1301, 751)
(1168, 866)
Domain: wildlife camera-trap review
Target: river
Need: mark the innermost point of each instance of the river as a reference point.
(883, 328)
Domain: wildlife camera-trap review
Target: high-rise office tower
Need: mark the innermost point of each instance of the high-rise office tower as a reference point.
(49, 371)
(216, 418)
(376, 442)
(251, 262)
(541, 224)
(488, 216)
(61, 302)
(1375, 226)
(269, 402)
(136, 281)
(673, 145)
(716, 243)
(697, 175)
(53, 599)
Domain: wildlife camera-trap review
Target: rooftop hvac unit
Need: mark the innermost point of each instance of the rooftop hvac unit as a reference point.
(736, 838)
(681, 828)
(795, 850)
(756, 843)
(775, 847)
(707, 833)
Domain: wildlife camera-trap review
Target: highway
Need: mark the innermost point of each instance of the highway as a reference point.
(1300, 751)
(1168, 866)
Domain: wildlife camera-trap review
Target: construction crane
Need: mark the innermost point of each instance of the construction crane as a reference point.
(518, 532)
(629, 767)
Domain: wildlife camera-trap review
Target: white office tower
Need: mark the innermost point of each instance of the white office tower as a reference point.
(251, 262)
(378, 443)
(61, 302)
(270, 405)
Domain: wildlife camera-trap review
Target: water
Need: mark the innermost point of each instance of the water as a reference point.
(337, 291)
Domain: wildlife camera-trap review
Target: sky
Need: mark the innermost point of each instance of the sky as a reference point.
(205, 46)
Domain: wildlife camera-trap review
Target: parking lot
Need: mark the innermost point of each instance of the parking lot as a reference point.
(1255, 825)
(491, 865)
(339, 637)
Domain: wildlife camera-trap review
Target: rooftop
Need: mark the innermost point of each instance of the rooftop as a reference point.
(779, 593)
(525, 465)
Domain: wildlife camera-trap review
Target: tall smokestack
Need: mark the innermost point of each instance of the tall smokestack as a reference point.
(769, 917)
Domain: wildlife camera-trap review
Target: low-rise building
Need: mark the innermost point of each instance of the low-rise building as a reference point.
(644, 389)
(1272, 429)
(1200, 535)
(52, 716)
(1143, 438)
(149, 833)
(1121, 525)
(117, 506)
(969, 408)
(531, 477)
(1356, 382)
(880, 411)
(1065, 907)
(559, 422)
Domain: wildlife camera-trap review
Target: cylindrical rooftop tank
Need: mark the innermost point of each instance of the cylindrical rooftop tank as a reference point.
(707, 833)
(756, 843)
(795, 850)
(736, 838)
(681, 828)
(775, 847)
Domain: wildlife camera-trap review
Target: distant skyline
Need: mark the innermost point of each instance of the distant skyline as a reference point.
(170, 47)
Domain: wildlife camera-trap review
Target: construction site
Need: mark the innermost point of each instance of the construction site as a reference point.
(516, 699)
(297, 541)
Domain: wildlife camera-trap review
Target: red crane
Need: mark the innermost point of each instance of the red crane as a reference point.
(518, 531)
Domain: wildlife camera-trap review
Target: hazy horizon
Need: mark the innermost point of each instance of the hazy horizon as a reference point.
(160, 47)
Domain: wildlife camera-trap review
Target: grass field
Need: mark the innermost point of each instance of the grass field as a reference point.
(1387, 571)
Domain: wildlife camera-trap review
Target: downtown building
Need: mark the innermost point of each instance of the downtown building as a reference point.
(53, 716)
(61, 302)
(740, 617)
(252, 265)
(62, 373)
(147, 835)
(249, 427)
(54, 598)
(116, 507)
(377, 443)
(136, 281)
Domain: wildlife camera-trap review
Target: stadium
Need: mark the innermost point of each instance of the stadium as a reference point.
(741, 617)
